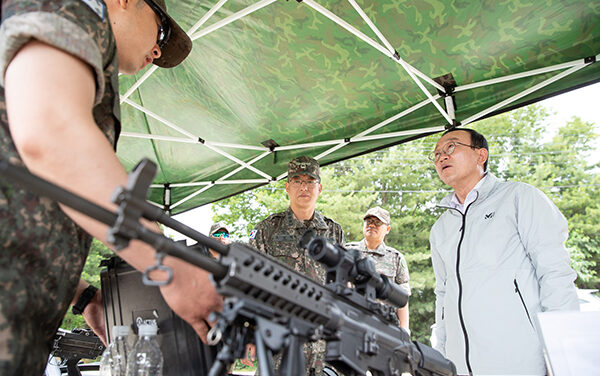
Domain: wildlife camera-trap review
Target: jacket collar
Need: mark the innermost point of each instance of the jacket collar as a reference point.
(380, 250)
(317, 221)
(483, 191)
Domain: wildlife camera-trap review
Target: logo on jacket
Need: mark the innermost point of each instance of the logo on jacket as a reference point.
(489, 216)
(253, 234)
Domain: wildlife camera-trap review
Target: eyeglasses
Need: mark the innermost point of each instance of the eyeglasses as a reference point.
(220, 234)
(164, 29)
(297, 183)
(373, 221)
(447, 149)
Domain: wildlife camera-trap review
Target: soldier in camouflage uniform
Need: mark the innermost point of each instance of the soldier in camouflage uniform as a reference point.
(280, 233)
(388, 260)
(59, 65)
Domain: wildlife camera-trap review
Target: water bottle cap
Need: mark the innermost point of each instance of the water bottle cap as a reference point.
(147, 330)
(120, 330)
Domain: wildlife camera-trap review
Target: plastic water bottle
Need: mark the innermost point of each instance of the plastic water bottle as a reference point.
(146, 358)
(114, 357)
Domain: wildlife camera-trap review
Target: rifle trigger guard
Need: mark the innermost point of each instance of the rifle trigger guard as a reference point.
(158, 266)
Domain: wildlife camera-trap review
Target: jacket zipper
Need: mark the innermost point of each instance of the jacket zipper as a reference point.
(460, 314)
(523, 302)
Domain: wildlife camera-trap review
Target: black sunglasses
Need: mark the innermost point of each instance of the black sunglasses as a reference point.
(164, 30)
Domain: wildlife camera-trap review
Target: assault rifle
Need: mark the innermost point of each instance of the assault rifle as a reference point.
(268, 303)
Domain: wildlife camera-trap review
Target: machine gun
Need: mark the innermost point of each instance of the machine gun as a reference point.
(73, 346)
(268, 303)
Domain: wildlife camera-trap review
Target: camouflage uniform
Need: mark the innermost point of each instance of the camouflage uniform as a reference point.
(278, 236)
(43, 251)
(388, 261)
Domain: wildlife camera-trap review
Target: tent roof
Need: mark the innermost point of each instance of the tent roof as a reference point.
(271, 80)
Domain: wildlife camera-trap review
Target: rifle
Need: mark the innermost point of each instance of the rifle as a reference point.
(73, 346)
(266, 302)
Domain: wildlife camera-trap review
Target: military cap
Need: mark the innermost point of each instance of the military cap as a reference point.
(178, 44)
(217, 226)
(304, 166)
(379, 213)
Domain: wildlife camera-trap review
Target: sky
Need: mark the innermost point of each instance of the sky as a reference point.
(584, 102)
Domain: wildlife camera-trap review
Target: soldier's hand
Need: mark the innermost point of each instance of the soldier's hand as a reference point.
(191, 295)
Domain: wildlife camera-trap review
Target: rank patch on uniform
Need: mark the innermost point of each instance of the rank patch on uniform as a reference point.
(253, 234)
(97, 6)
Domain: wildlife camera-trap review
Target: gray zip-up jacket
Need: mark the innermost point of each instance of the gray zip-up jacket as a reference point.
(496, 267)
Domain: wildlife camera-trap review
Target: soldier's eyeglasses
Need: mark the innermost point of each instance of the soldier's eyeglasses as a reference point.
(164, 29)
(373, 221)
(220, 235)
(447, 149)
(298, 183)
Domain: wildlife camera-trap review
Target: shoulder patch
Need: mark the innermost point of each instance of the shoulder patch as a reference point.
(97, 6)
(253, 234)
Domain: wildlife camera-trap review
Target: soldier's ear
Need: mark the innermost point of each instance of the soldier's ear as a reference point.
(320, 188)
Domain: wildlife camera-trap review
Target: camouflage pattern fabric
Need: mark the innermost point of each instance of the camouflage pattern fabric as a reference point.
(278, 236)
(43, 251)
(388, 261)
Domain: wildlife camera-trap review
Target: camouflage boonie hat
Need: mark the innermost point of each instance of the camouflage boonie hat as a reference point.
(218, 226)
(178, 45)
(379, 213)
(304, 166)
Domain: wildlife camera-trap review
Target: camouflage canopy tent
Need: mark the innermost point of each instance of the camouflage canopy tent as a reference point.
(271, 80)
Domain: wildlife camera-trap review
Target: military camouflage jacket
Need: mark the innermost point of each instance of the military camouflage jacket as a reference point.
(43, 251)
(279, 234)
(388, 261)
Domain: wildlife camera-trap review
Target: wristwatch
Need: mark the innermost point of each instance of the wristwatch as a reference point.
(86, 296)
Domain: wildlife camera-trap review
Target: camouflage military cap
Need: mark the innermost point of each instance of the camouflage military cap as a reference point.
(178, 44)
(379, 213)
(218, 226)
(304, 166)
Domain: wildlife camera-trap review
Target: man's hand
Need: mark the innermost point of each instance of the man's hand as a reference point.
(94, 316)
(191, 295)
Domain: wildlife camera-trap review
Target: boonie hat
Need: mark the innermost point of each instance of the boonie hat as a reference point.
(217, 226)
(379, 213)
(178, 45)
(304, 166)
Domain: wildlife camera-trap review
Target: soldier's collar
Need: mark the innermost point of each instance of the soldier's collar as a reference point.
(380, 250)
(317, 221)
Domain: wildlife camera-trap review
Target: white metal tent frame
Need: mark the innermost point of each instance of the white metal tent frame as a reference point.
(564, 69)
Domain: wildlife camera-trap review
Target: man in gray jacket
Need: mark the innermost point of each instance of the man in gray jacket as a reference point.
(499, 258)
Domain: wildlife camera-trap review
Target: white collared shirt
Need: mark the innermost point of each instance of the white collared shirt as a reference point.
(471, 196)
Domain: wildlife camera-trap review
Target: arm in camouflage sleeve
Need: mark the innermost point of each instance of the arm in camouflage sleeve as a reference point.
(402, 279)
(260, 239)
(58, 139)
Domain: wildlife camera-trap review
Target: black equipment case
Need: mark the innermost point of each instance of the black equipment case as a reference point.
(127, 301)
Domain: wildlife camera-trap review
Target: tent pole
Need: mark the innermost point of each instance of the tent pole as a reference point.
(389, 47)
(234, 17)
(522, 94)
(374, 44)
(520, 75)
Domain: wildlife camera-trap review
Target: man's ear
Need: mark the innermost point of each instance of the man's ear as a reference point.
(388, 228)
(320, 188)
(483, 156)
